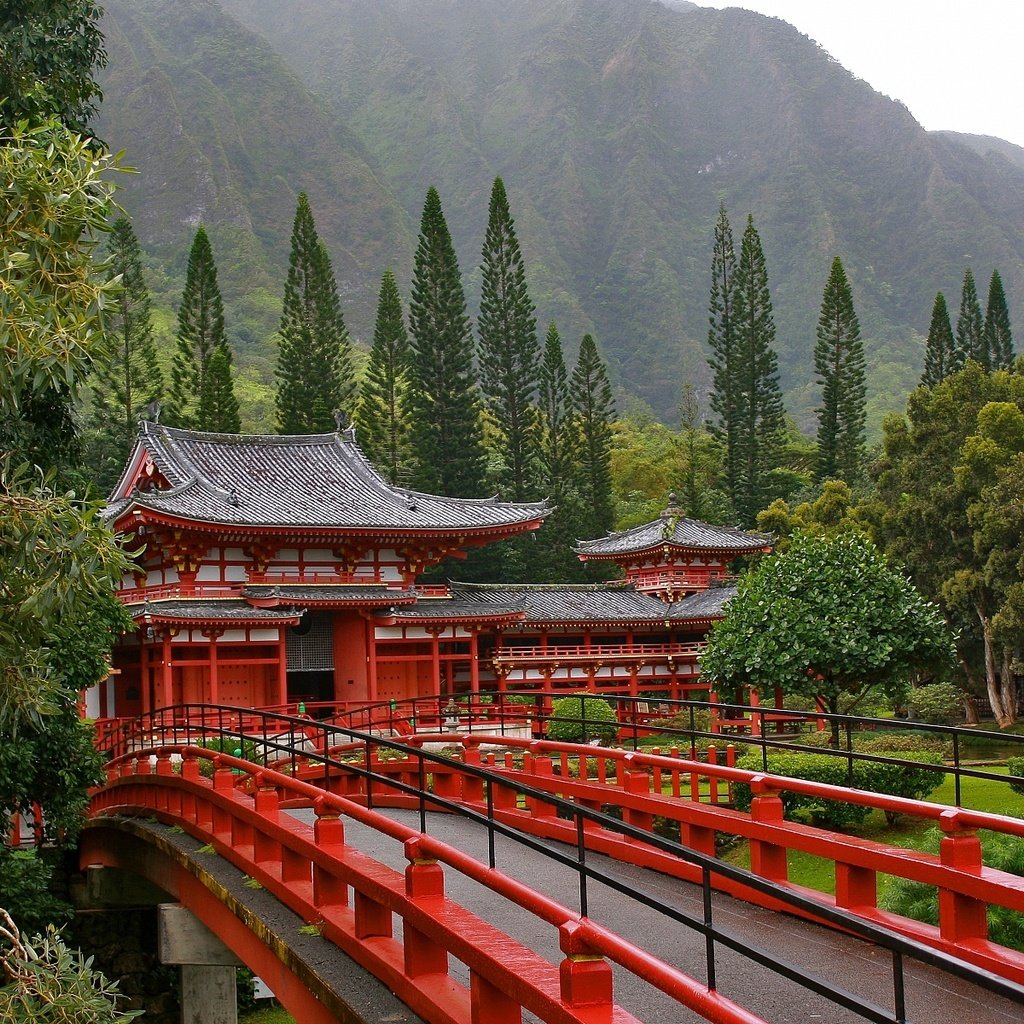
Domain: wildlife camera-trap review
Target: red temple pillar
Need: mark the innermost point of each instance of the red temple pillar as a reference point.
(474, 663)
(282, 668)
(214, 682)
(371, 661)
(166, 698)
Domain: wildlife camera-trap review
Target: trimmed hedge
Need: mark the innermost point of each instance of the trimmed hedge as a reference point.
(906, 780)
(601, 720)
(1015, 766)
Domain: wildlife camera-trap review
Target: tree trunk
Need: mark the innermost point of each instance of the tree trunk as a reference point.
(1008, 686)
(992, 683)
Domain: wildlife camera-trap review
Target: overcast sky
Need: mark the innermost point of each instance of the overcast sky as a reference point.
(956, 65)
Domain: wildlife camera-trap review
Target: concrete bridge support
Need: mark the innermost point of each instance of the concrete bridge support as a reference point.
(208, 994)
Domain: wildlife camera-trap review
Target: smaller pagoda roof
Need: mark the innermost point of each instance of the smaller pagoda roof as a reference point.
(676, 530)
(317, 482)
(199, 612)
(549, 604)
(325, 595)
(706, 605)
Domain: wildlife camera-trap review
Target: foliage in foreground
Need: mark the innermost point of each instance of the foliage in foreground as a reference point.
(47, 983)
(921, 902)
(904, 779)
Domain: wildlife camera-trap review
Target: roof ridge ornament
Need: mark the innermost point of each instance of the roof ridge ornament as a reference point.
(153, 411)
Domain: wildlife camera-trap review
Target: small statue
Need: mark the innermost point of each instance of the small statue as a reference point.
(451, 715)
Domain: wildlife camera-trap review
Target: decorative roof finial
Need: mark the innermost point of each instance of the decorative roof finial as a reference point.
(340, 420)
(153, 411)
(233, 497)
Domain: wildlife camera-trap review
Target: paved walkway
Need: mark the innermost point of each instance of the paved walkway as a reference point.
(932, 997)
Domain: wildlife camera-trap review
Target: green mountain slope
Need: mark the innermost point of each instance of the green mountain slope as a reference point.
(223, 133)
(619, 126)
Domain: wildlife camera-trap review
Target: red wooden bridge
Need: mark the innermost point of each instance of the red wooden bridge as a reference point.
(483, 878)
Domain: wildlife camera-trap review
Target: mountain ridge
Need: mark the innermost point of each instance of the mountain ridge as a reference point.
(619, 126)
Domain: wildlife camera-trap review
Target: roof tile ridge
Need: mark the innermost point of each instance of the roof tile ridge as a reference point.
(197, 475)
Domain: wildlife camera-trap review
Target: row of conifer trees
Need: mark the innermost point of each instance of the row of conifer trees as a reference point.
(441, 407)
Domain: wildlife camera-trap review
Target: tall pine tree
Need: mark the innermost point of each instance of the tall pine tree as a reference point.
(446, 432)
(509, 351)
(760, 423)
(314, 362)
(723, 343)
(940, 353)
(200, 335)
(998, 337)
(382, 416)
(839, 364)
(970, 326)
(558, 455)
(218, 405)
(129, 378)
(590, 394)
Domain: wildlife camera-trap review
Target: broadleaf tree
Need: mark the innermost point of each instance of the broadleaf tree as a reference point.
(314, 363)
(829, 618)
(509, 351)
(444, 400)
(928, 499)
(839, 364)
(49, 50)
(55, 192)
(382, 415)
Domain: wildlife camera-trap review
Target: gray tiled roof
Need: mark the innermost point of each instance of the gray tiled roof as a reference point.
(552, 603)
(705, 604)
(227, 610)
(679, 531)
(299, 593)
(316, 480)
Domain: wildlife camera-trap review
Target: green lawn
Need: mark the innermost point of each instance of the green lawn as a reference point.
(978, 794)
(267, 1015)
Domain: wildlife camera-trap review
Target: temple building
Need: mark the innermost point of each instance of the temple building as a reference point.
(275, 570)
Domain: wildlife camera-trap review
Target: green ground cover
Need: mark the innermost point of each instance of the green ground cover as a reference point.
(267, 1015)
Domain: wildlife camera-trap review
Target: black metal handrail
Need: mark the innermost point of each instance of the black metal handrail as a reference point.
(632, 723)
(147, 735)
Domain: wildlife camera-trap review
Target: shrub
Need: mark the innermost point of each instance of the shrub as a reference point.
(921, 902)
(1015, 766)
(938, 703)
(904, 779)
(582, 717)
(519, 698)
(227, 745)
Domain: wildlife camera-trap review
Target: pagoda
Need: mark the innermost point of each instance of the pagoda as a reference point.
(674, 556)
(274, 570)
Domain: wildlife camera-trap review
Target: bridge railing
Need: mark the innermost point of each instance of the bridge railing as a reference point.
(378, 770)
(691, 725)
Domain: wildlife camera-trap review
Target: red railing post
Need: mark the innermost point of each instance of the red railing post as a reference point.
(961, 917)
(585, 978)
(636, 782)
(767, 859)
(266, 850)
(856, 887)
(489, 1005)
(329, 835)
(472, 787)
(424, 884)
